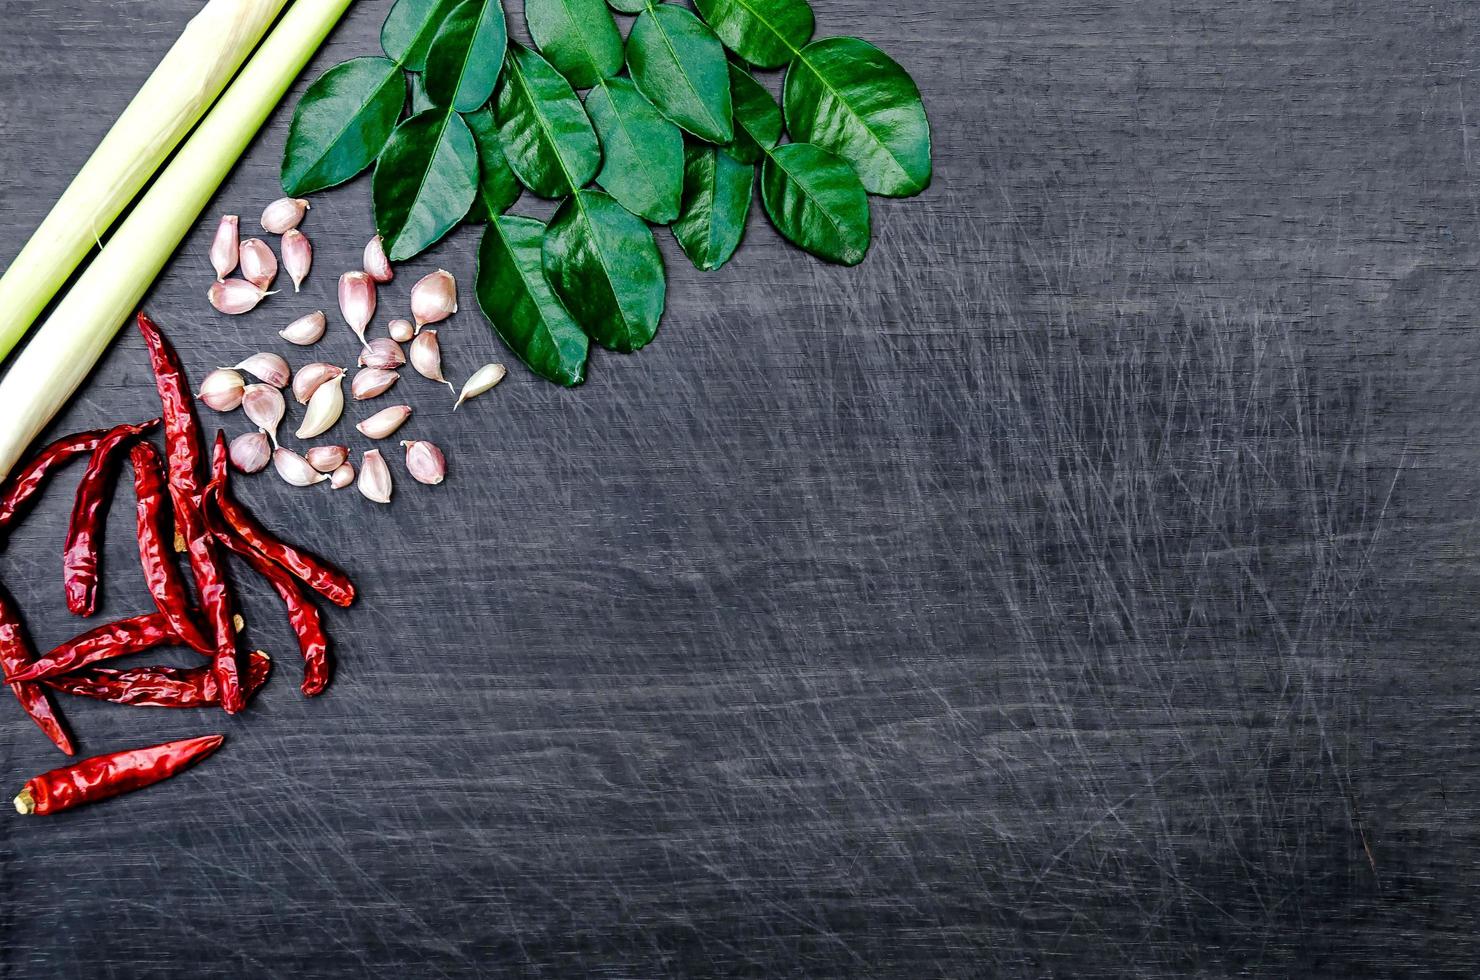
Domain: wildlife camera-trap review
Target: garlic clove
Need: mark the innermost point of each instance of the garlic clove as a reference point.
(327, 459)
(297, 256)
(426, 356)
(306, 329)
(383, 353)
(375, 477)
(482, 380)
(294, 469)
(310, 376)
(222, 390)
(377, 266)
(268, 368)
(385, 422)
(250, 451)
(342, 477)
(357, 302)
(433, 298)
(369, 382)
(401, 330)
(425, 462)
(235, 296)
(264, 405)
(224, 248)
(325, 406)
(259, 265)
(283, 215)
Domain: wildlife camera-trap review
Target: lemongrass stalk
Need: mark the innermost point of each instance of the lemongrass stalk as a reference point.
(69, 343)
(172, 99)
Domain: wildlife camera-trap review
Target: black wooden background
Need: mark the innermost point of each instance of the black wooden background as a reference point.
(1082, 587)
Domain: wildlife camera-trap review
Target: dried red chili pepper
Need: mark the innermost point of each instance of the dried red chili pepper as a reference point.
(185, 452)
(85, 530)
(106, 642)
(312, 571)
(16, 654)
(158, 687)
(303, 615)
(166, 584)
(23, 485)
(108, 775)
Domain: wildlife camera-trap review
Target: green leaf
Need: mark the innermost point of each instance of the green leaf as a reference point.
(816, 200)
(341, 124)
(420, 100)
(628, 6)
(408, 30)
(578, 37)
(515, 296)
(766, 33)
(717, 190)
(642, 153)
(757, 117)
(547, 138)
(604, 265)
(847, 96)
(679, 65)
(466, 56)
(425, 181)
(497, 186)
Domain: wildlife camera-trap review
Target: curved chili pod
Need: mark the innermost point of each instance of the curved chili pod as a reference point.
(106, 642)
(158, 687)
(166, 584)
(15, 655)
(185, 447)
(317, 574)
(85, 530)
(23, 485)
(108, 775)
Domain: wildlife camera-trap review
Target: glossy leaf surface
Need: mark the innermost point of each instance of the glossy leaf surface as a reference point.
(766, 33)
(425, 181)
(717, 190)
(466, 56)
(408, 30)
(547, 137)
(757, 117)
(516, 297)
(816, 200)
(497, 186)
(641, 152)
(341, 124)
(578, 37)
(604, 265)
(679, 65)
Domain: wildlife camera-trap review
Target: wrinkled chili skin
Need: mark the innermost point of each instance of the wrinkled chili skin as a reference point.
(117, 639)
(108, 775)
(15, 655)
(156, 551)
(185, 459)
(312, 571)
(303, 615)
(157, 687)
(85, 530)
(23, 485)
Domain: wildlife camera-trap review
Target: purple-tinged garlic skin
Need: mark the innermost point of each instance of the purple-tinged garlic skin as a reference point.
(377, 266)
(306, 330)
(297, 256)
(426, 357)
(342, 477)
(482, 380)
(283, 215)
(401, 330)
(259, 265)
(383, 353)
(267, 367)
(357, 302)
(327, 459)
(295, 470)
(370, 382)
(224, 248)
(265, 407)
(384, 422)
(235, 296)
(425, 462)
(222, 390)
(310, 376)
(375, 477)
(433, 298)
(250, 452)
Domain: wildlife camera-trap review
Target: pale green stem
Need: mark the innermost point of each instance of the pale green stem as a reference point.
(63, 352)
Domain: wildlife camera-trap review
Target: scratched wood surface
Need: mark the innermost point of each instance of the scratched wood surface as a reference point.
(1082, 587)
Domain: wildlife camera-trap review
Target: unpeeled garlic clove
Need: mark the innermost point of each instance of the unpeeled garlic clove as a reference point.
(426, 356)
(483, 379)
(377, 266)
(425, 462)
(295, 469)
(267, 368)
(357, 302)
(306, 329)
(342, 477)
(259, 265)
(433, 298)
(310, 376)
(222, 389)
(383, 353)
(264, 405)
(327, 459)
(283, 215)
(370, 382)
(325, 406)
(224, 248)
(297, 256)
(235, 296)
(250, 451)
(401, 330)
(385, 422)
(375, 477)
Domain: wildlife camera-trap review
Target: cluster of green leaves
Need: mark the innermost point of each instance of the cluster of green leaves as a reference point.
(670, 132)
